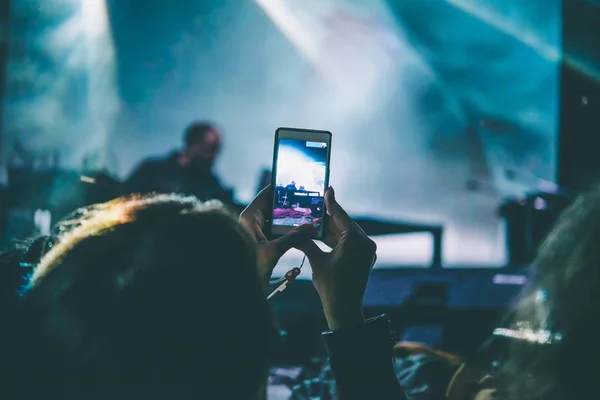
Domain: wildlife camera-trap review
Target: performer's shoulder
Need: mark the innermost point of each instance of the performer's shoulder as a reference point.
(157, 161)
(153, 163)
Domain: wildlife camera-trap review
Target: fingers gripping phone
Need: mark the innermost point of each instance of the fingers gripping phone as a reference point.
(299, 179)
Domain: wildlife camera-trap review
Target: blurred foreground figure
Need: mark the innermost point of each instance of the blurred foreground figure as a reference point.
(554, 352)
(131, 303)
(189, 171)
(547, 347)
(127, 305)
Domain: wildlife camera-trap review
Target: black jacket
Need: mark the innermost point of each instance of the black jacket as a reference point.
(362, 361)
(167, 176)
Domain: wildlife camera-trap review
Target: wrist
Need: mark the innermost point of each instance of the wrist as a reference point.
(343, 318)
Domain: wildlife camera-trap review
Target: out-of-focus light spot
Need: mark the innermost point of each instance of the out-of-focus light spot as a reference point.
(87, 179)
(548, 187)
(527, 334)
(502, 279)
(539, 204)
(541, 296)
(42, 220)
(531, 116)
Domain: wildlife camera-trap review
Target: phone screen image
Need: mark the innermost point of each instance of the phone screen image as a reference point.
(300, 179)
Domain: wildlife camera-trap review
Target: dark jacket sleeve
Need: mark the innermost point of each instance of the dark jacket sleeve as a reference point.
(362, 361)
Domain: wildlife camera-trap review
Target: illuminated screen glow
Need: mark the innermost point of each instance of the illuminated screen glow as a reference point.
(301, 170)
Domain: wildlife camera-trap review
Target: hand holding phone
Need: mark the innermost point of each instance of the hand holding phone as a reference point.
(253, 219)
(340, 276)
(300, 177)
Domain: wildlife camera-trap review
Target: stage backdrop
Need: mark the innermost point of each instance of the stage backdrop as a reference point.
(439, 108)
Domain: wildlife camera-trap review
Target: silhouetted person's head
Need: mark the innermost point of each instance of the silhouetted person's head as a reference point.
(202, 145)
(147, 297)
(559, 354)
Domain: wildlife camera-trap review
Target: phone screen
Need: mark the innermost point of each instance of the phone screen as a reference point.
(300, 177)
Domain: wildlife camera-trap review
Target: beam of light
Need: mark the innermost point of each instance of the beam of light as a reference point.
(103, 101)
(355, 49)
(508, 26)
(523, 35)
(296, 26)
(94, 18)
(69, 73)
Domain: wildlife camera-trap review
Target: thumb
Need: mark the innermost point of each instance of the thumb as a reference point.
(293, 238)
(311, 250)
(338, 214)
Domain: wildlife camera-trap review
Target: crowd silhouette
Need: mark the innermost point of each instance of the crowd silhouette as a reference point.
(127, 300)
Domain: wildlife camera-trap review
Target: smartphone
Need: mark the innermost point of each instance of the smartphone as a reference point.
(300, 177)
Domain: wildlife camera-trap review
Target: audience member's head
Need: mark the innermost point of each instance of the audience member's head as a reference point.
(202, 145)
(147, 297)
(559, 352)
